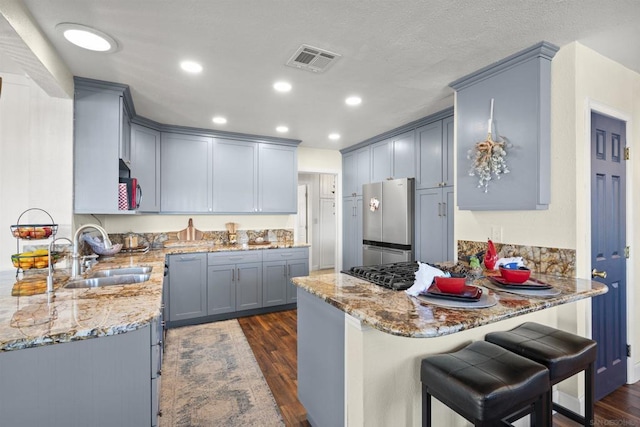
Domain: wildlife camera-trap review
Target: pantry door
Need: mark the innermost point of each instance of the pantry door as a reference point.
(608, 243)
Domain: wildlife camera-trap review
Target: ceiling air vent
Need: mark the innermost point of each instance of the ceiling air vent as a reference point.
(312, 59)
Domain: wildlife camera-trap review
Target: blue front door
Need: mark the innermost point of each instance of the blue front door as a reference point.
(608, 220)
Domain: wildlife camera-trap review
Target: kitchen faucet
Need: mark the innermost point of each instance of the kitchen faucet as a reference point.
(50, 276)
(75, 263)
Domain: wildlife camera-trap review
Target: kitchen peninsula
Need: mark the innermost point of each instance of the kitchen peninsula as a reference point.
(360, 345)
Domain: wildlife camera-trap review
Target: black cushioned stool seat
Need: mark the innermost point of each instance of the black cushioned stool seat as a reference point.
(484, 383)
(564, 354)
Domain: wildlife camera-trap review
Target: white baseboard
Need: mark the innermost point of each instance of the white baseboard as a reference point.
(635, 374)
(570, 402)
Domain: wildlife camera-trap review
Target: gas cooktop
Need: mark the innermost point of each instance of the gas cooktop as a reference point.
(397, 275)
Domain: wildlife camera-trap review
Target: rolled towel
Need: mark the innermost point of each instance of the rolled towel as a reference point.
(424, 278)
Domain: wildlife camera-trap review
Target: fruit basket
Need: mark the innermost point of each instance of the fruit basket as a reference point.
(34, 259)
(34, 231)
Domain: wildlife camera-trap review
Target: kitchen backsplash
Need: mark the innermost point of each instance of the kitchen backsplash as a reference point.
(559, 262)
(157, 240)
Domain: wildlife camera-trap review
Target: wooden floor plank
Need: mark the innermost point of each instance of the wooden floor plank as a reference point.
(273, 339)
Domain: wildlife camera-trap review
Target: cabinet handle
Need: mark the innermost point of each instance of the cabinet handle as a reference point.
(444, 209)
(182, 258)
(238, 275)
(439, 209)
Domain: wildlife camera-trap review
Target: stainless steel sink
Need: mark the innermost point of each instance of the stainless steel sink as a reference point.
(121, 271)
(96, 282)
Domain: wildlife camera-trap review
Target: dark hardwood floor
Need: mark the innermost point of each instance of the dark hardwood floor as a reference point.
(273, 339)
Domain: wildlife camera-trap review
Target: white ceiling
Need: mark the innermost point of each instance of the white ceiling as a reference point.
(399, 56)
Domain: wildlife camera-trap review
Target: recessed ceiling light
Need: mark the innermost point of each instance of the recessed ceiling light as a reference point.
(282, 86)
(353, 100)
(282, 129)
(334, 136)
(219, 120)
(191, 66)
(87, 37)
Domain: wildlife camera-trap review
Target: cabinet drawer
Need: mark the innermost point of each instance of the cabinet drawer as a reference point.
(236, 257)
(285, 254)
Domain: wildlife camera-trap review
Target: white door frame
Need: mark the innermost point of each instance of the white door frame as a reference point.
(633, 372)
(338, 174)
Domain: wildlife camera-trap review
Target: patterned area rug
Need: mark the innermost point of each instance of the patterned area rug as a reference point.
(211, 378)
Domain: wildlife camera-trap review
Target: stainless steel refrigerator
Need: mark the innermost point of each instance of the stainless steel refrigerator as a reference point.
(387, 233)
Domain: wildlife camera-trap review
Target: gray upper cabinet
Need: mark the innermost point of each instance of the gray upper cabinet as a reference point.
(145, 165)
(520, 86)
(125, 134)
(394, 158)
(235, 176)
(356, 167)
(277, 179)
(186, 173)
(435, 145)
(98, 130)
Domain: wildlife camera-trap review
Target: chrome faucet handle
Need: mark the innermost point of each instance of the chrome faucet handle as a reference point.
(88, 261)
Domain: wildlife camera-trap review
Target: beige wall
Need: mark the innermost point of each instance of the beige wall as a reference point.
(581, 80)
(36, 152)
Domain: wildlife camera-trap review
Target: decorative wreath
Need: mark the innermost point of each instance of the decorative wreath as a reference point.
(488, 158)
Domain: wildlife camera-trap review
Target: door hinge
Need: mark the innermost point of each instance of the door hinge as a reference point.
(626, 252)
(628, 350)
(627, 155)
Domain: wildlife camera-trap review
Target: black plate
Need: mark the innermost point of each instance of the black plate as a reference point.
(529, 284)
(469, 293)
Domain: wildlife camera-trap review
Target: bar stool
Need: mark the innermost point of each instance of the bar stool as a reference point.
(564, 354)
(484, 383)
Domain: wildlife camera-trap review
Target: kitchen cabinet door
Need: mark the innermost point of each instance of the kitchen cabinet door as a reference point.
(356, 168)
(274, 283)
(394, 158)
(435, 145)
(221, 289)
(434, 225)
(352, 232)
(235, 176)
(381, 155)
(97, 133)
(296, 268)
(280, 265)
(145, 165)
(186, 173)
(277, 179)
(125, 134)
(187, 286)
(248, 286)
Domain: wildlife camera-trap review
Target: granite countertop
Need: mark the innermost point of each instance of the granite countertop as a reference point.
(77, 314)
(397, 313)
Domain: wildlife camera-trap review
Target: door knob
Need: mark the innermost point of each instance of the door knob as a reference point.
(600, 274)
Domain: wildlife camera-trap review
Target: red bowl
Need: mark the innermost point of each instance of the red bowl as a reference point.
(515, 275)
(450, 285)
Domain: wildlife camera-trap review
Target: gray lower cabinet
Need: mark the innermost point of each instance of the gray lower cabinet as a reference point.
(187, 286)
(434, 225)
(236, 281)
(99, 382)
(145, 165)
(279, 266)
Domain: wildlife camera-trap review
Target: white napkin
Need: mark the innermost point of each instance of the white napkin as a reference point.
(517, 259)
(424, 278)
